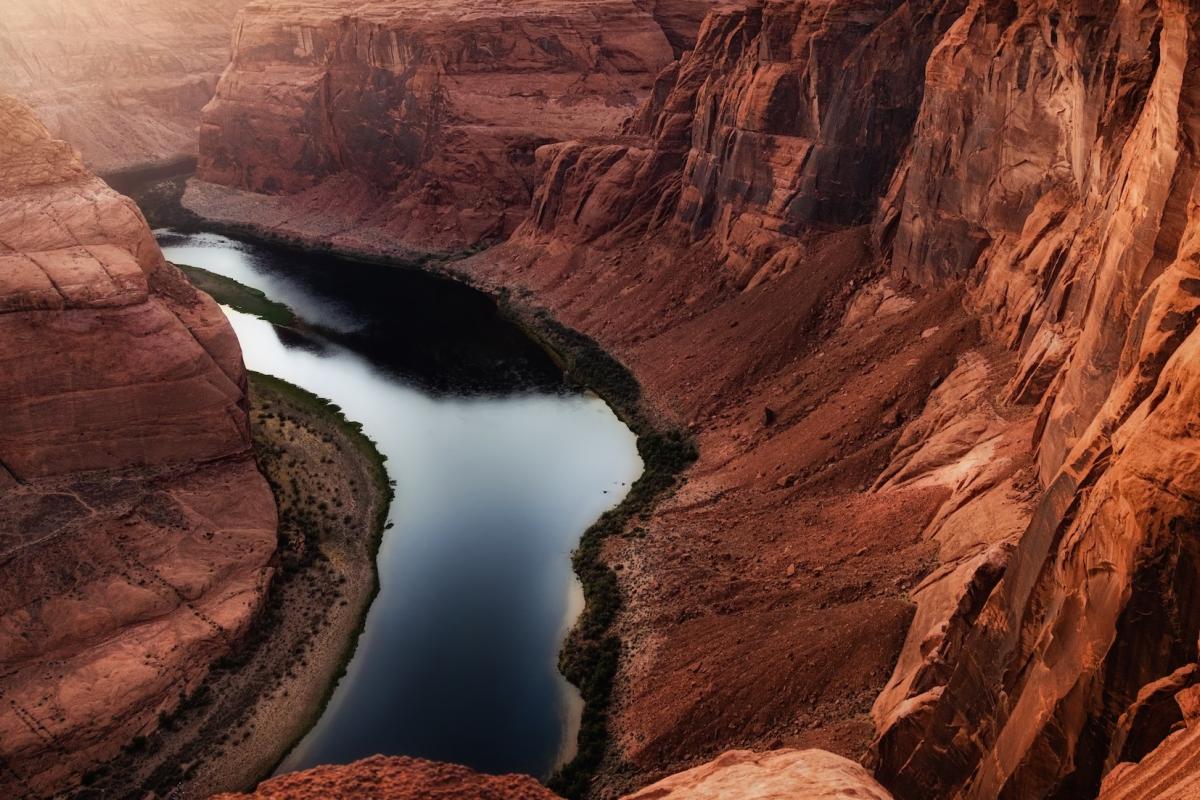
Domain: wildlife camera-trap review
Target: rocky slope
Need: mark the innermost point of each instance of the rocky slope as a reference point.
(416, 122)
(122, 80)
(1042, 491)
(135, 529)
(921, 277)
(1056, 180)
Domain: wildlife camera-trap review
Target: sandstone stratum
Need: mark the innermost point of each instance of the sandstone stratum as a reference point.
(407, 124)
(135, 529)
(921, 276)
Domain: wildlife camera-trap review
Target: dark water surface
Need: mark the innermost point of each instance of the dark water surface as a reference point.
(498, 470)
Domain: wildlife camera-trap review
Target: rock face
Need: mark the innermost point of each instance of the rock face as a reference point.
(135, 529)
(778, 775)
(382, 778)
(1053, 172)
(924, 278)
(418, 121)
(122, 80)
(759, 132)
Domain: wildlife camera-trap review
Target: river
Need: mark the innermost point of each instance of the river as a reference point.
(499, 468)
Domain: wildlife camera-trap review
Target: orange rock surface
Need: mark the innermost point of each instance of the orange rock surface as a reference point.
(135, 529)
(382, 778)
(778, 775)
(122, 80)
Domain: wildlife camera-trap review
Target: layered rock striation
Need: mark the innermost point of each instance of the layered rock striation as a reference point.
(122, 80)
(1046, 179)
(135, 530)
(921, 278)
(417, 121)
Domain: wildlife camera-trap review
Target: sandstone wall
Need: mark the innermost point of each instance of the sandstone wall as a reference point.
(420, 120)
(135, 529)
(1053, 177)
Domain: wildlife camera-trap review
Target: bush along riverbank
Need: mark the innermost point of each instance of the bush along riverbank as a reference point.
(262, 697)
(591, 655)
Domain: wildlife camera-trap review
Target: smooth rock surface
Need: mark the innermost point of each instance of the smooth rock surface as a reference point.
(777, 775)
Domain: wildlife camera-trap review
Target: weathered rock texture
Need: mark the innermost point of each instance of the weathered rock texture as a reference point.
(1049, 183)
(382, 778)
(135, 529)
(1053, 173)
(948, 486)
(778, 775)
(122, 80)
(418, 121)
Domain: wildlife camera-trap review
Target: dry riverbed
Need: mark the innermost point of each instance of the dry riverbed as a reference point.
(333, 494)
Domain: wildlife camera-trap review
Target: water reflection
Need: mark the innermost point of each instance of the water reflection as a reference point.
(495, 483)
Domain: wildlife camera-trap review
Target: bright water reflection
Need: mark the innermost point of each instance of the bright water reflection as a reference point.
(494, 484)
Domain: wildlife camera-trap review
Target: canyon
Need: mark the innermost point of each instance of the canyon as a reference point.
(921, 278)
(414, 124)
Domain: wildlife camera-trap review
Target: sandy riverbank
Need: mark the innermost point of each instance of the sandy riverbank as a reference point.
(333, 495)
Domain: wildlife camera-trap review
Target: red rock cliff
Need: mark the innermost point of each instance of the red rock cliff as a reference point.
(948, 470)
(122, 80)
(135, 529)
(1053, 175)
(419, 120)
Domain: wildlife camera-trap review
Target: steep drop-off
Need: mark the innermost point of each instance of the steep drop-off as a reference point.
(415, 123)
(922, 278)
(135, 529)
(1055, 178)
(122, 80)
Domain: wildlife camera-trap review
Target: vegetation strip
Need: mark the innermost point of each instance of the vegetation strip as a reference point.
(591, 655)
(239, 296)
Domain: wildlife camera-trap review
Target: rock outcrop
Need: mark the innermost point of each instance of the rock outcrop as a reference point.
(778, 775)
(417, 121)
(738, 775)
(122, 80)
(383, 778)
(923, 279)
(135, 529)
(1053, 173)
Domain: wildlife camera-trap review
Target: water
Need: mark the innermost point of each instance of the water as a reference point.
(498, 470)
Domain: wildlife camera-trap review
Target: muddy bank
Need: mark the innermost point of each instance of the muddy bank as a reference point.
(332, 492)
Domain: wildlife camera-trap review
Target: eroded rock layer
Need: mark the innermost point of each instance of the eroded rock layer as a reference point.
(135, 529)
(1053, 173)
(418, 121)
(122, 80)
(948, 484)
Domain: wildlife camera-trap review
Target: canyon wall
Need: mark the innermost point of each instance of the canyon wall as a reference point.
(135, 530)
(122, 80)
(1048, 181)
(921, 279)
(417, 122)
